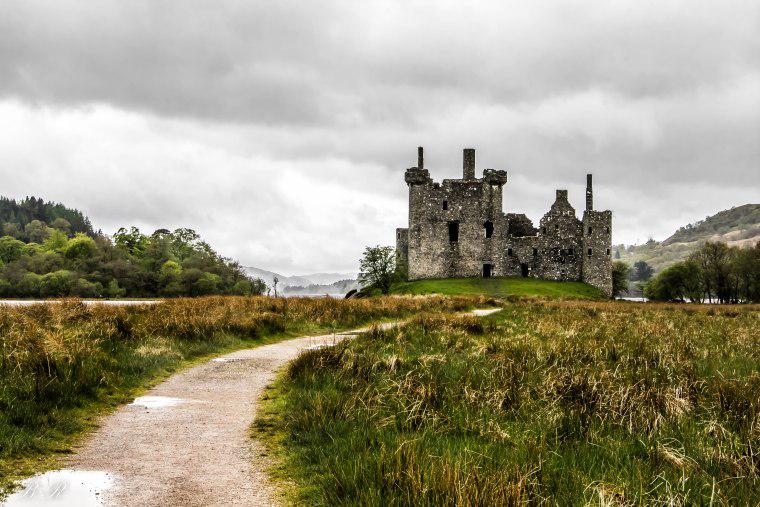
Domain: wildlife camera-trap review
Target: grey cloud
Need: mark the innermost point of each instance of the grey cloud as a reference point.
(192, 113)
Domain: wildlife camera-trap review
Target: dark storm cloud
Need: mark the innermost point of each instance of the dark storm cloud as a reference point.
(305, 62)
(661, 100)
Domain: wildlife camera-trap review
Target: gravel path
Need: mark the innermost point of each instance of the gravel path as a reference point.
(187, 442)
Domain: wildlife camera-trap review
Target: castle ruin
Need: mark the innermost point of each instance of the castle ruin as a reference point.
(458, 229)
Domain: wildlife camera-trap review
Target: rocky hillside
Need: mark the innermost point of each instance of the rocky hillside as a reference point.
(736, 226)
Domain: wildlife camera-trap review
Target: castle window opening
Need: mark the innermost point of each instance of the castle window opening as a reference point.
(535, 252)
(543, 230)
(556, 227)
(488, 226)
(445, 204)
(608, 252)
(524, 270)
(487, 269)
(607, 230)
(589, 231)
(570, 251)
(510, 253)
(453, 232)
(590, 252)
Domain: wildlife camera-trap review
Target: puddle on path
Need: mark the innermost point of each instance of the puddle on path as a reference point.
(157, 401)
(225, 359)
(485, 311)
(72, 488)
(319, 346)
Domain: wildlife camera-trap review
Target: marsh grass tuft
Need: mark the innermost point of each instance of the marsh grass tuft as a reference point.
(547, 402)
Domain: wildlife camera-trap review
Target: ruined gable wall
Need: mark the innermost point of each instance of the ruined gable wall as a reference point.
(560, 242)
(597, 237)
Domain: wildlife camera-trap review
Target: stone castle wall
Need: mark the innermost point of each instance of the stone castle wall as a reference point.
(458, 229)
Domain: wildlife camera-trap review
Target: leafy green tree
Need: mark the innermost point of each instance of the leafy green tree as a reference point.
(170, 272)
(131, 241)
(61, 224)
(80, 246)
(11, 249)
(11, 229)
(620, 273)
(377, 267)
(113, 290)
(57, 283)
(37, 231)
(207, 283)
(56, 242)
(641, 272)
(86, 289)
(679, 282)
(29, 285)
(712, 259)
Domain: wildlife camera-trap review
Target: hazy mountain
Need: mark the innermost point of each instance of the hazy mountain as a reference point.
(318, 279)
(736, 226)
(329, 278)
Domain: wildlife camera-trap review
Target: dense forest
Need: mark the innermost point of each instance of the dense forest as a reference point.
(49, 250)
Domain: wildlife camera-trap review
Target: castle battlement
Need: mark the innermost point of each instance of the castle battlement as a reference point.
(457, 228)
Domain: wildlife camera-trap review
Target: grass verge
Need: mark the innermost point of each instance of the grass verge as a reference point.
(569, 403)
(500, 288)
(63, 365)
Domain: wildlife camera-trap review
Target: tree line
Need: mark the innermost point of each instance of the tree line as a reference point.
(715, 272)
(55, 258)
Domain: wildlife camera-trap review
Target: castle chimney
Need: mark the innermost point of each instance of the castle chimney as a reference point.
(561, 195)
(420, 158)
(589, 194)
(469, 163)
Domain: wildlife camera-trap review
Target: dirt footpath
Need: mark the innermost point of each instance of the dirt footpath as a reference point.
(187, 442)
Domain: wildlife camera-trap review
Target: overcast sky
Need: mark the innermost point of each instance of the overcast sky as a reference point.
(280, 131)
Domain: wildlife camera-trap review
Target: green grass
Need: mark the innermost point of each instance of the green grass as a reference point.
(500, 287)
(554, 402)
(63, 365)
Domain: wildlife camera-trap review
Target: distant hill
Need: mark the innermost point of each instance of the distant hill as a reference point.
(738, 226)
(312, 283)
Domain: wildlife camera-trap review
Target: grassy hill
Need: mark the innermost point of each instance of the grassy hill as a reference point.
(499, 287)
(738, 226)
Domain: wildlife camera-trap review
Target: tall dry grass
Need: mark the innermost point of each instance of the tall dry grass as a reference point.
(568, 403)
(60, 362)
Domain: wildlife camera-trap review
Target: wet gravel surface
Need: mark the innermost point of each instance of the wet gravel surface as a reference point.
(195, 448)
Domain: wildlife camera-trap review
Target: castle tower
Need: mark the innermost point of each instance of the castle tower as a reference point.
(468, 164)
(597, 244)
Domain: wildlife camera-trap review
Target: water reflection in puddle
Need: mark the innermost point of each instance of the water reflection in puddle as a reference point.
(318, 346)
(156, 401)
(225, 360)
(62, 488)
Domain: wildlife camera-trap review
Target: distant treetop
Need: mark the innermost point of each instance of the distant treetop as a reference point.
(16, 217)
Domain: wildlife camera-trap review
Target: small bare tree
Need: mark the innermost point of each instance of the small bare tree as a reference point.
(275, 281)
